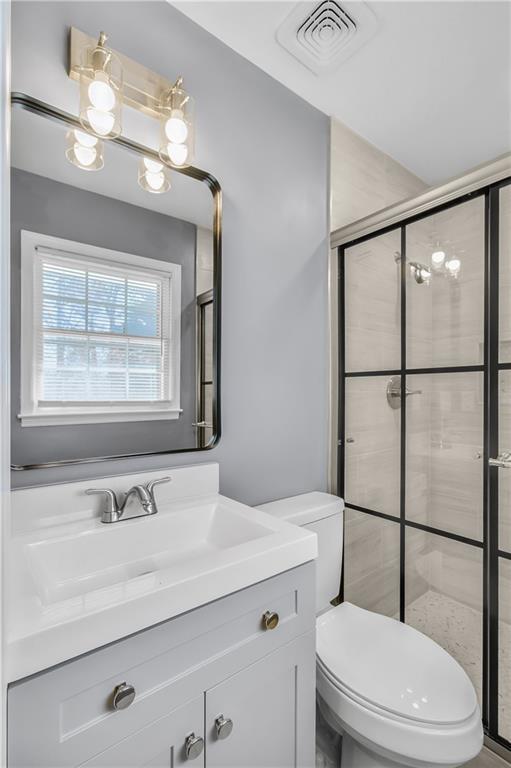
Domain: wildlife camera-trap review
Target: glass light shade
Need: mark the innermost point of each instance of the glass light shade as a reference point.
(153, 176)
(101, 91)
(84, 151)
(177, 132)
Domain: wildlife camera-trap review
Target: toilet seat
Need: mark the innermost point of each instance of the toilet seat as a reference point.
(407, 699)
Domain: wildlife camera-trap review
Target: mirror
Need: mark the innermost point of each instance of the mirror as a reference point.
(115, 297)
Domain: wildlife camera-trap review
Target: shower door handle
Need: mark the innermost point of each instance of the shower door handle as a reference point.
(503, 460)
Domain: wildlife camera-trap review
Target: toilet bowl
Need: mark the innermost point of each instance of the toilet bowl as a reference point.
(396, 697)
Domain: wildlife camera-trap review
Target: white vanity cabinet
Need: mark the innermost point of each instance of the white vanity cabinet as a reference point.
(191, 676)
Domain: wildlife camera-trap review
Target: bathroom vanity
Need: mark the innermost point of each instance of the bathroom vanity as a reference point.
(219, 664)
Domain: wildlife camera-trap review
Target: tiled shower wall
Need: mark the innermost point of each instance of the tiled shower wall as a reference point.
(444, 434)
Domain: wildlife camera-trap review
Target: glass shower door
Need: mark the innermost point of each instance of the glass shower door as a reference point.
(425, 432)
(500, 474)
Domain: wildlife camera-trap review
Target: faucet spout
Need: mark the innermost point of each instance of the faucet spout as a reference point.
(113, 511)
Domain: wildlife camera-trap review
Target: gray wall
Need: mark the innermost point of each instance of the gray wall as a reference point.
(51, 208)
(269, 149)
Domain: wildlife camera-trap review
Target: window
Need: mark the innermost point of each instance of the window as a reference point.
(100, 338)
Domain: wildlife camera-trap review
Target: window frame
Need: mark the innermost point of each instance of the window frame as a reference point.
(32, 413)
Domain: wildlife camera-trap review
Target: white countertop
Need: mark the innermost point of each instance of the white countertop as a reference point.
(56, 611)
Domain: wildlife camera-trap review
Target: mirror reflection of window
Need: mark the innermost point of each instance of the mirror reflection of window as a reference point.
(100, 334)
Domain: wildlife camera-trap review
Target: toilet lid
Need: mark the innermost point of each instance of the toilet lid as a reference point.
(393, 666)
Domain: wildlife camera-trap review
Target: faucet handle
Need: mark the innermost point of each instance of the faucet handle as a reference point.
(111, 511)
(150, 485)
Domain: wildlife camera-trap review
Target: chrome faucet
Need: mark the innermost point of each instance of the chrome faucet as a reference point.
(113, 510)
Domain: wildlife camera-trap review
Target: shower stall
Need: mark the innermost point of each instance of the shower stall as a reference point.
(422, 446)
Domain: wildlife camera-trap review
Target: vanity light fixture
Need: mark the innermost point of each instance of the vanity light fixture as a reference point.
(153, 176)
(177, 126)
(110, 80)
(84, 150)
(100, 90)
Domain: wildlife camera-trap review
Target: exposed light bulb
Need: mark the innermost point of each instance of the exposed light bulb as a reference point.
(85, 139)
(101, 94)
(177, 153)
(101, 122)
(155, 180)
(176, 129)
(85, 155)
(153, 166)
(438, 258)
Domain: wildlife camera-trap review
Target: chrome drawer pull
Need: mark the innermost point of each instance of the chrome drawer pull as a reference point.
(124, 695)
(224, 726)
(270, 620)
(193, 746)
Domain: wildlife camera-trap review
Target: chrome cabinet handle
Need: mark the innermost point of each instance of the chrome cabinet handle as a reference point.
(503, 460)
(193, 746)
(223, 726)
(124, 695)
(270, 620)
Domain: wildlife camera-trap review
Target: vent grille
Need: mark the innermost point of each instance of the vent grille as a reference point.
(323, 35)
(326, 30)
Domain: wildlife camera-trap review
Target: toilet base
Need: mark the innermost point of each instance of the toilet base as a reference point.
(357, 752)
(356, 755)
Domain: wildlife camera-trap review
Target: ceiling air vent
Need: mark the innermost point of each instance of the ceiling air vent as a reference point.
(322, 36)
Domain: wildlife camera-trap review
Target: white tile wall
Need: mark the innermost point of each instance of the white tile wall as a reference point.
(371, 571)
(204, 258)
(373, 305)
(372, 446)
(364, 179)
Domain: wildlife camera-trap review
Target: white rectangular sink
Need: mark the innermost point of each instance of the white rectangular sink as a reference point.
(84, 561)
(75, 583)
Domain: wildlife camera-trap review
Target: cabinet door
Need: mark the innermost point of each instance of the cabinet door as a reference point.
(159, 745)
(272, 707)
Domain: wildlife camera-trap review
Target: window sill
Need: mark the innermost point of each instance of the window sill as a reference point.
(49, 418)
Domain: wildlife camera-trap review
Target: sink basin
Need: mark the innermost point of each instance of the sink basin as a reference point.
(74, 565)
(75, 584)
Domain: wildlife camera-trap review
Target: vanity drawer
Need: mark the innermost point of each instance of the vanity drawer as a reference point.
(69, 708)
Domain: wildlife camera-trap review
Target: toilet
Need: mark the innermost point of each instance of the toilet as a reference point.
(396, 697)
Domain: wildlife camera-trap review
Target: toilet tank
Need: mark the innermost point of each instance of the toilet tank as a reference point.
(323, 514)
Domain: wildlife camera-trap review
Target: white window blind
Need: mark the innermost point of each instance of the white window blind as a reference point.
(102, 333)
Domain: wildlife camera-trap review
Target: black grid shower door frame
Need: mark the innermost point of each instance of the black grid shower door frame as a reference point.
(490, 370)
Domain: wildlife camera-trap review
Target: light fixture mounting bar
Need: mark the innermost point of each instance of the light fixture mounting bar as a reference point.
(143, 89)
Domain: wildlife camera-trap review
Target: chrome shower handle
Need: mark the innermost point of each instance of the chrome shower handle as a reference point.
(394, 392)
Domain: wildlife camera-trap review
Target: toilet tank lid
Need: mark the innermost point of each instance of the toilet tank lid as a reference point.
(305, 508)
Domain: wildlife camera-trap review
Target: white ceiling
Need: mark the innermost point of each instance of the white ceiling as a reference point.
(432, 88)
